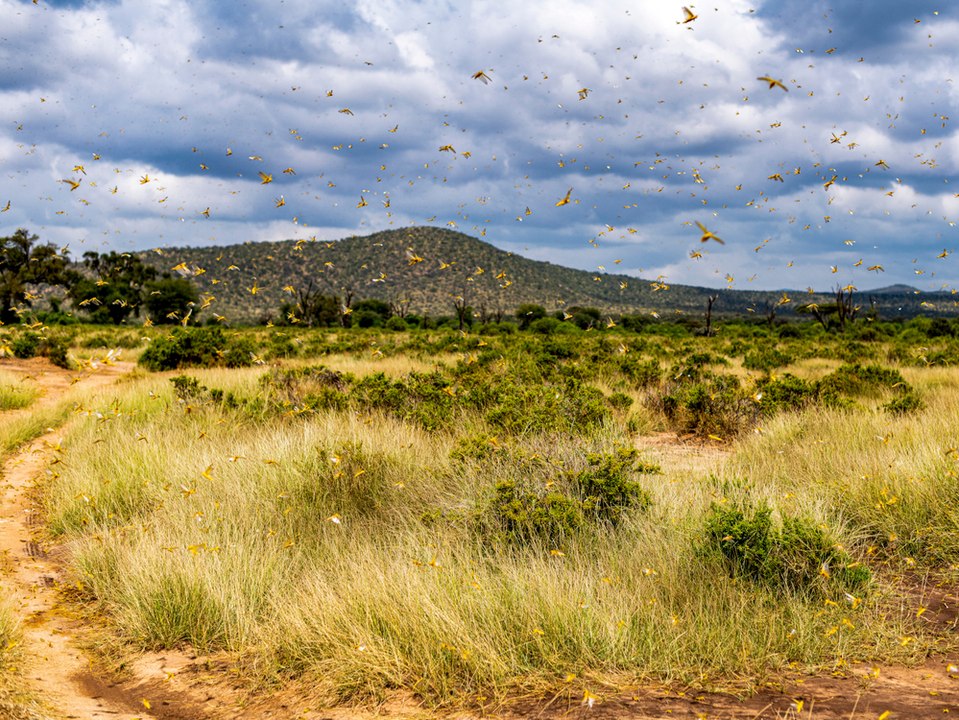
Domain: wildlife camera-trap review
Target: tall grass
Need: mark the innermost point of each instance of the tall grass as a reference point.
(15, 701)
(15, 392)
(343, 547)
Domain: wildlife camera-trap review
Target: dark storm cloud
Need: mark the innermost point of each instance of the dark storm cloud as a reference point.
(653, 124)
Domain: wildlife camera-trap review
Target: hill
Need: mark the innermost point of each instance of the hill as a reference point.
(424, 269)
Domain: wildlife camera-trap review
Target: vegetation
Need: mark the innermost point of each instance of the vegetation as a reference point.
(15, 392)
(469, 512)
(25, 262)
(466, 515)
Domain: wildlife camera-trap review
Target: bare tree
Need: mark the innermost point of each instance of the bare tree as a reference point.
(846, 310)
(710, 300)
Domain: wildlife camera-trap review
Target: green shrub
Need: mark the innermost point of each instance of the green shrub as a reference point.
(25, 344)
(55, 350)
(241, 352)
(608, 488)
(785, 393)
(907, 402)
(474, 447)
(641, 373)
(856, 380)
(28, 344)
(620, 402)
(766, 359)
(713, 405)
(187, 387)
(281, 345)
(796, 556)
(520, 516)
(185, 347)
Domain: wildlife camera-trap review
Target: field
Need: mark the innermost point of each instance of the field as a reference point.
(761, 523)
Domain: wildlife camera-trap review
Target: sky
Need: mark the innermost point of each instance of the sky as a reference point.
(215, 123)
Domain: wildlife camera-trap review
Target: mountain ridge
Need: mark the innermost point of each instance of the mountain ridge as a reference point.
(425, 270)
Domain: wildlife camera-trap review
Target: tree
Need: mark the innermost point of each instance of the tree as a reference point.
(464, 313)
(170, 300)
(710, 301)
(117, 290)
(584, 317)
(312, 307)
(371, 312)
(23, 262)
(528, 313)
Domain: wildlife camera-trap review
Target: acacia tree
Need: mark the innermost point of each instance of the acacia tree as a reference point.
(171, 299)
(312, 307)
(24, 262)
(118, 288)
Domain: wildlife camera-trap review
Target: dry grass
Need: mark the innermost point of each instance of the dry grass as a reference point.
(300, 544)
(15, 391)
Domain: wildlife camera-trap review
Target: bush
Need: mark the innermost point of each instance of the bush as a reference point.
(25, 345)
(785, 393)
(184, 347)
(766, 359)
(797, 556)
(608, 487)
(519, 516)
(856, 379)
(641, 374)
(712, 405)
(544, 325)
(30, 344)
(240, 353)
(187, 387)
(907, 402)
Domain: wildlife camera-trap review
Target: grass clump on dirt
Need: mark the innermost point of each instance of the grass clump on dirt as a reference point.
(15, 392)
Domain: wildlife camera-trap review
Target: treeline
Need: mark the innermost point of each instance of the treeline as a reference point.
(118, 288)
(106, 288)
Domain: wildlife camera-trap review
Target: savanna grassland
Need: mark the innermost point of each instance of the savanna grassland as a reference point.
(473, 517)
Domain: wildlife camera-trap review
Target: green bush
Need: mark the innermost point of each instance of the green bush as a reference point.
(907, 402)
(187, 387)
(785, 393)
(856, 380)
(712, 405)
(241, 352)
(25, 344)
(766, 359)
(519, 517)
(197, 347)
(797, 556)
(641, 373)
(608, 488)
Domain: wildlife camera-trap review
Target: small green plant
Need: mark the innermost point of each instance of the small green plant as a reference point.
(707, 404)
(905, 403)
(787, 392)
(25, 345)
(185, 347)
(641, 373)
(187, 387)
(766, 359)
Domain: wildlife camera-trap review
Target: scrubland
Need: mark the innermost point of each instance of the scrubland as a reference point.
(469, 516)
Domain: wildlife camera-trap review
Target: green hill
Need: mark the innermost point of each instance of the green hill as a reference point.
(424, 269)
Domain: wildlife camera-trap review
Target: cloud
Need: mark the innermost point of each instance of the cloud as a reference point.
(653, 123)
